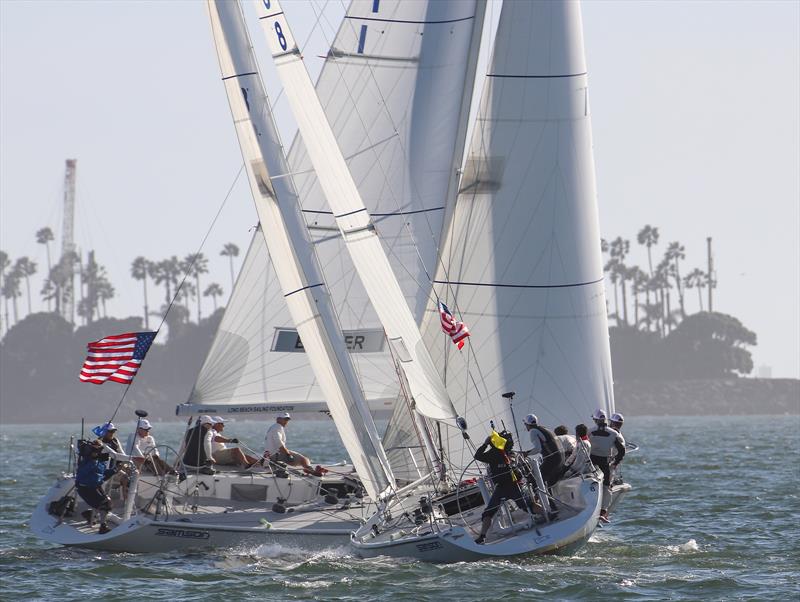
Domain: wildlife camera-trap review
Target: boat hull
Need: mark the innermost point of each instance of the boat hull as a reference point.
(322, 526)
(456, 544)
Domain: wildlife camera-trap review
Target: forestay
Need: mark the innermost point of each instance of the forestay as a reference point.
(353, 219)
(522, 252)
(291, 250)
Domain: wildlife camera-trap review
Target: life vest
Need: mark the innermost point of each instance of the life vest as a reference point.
(195, 454)
(552, 452)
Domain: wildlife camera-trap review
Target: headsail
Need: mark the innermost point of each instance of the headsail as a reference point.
(292, 252)
(353, 219)
(381, 107)
(521, 254)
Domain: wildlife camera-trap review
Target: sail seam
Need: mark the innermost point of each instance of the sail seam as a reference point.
(270, 16)
(508, 75)
(409, 22)
(390, 214)
(571, 285)
(304, 288)
(227, 77)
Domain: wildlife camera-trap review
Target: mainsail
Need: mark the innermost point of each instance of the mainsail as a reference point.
(292, 253)
(398, 116)
(521, 259)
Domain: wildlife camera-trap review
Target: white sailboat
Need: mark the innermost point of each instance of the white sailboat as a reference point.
(536, 92)
(257, 363)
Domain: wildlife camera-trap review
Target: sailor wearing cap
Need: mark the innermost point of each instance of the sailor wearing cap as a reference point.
(275, 444)
(224, 455)
(197, 445)
(604, 440)
(142, 446)
(544, 442)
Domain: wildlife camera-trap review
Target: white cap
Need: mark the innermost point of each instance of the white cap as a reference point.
(599, 415)
(531, 420)
(284, 415)
(617, 418)
(205, 419)
(218, 420)
(144, 423)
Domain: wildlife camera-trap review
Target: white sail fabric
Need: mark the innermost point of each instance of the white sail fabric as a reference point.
(403, 176)
(522, 252)
(353, 219)
(291, 250)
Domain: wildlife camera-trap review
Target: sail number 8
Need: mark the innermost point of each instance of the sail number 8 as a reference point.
(281, 37)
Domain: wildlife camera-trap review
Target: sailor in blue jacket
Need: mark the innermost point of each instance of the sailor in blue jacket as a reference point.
(90, 475)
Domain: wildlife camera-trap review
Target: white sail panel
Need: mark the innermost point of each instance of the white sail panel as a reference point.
(353, 220)
(522, 252)
(405, 197)
(291, 250)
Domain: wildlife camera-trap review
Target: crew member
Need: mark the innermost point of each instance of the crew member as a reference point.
(224, 455)
(579, 461)
(495, 453)
(615, 422)
(275, 445)
(142, 447)
(544, 442)
(91, 473)
(603, 440)
(198, 451)
(567, 440)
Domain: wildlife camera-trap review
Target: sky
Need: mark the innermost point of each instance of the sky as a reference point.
(695, 113)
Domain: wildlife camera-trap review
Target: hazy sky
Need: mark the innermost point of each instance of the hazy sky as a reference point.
(696, 122)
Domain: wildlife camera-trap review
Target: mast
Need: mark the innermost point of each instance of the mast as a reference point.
(68, 243)
(291, 250)
(353, 219)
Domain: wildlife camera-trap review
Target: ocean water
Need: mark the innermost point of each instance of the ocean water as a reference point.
(714, 515)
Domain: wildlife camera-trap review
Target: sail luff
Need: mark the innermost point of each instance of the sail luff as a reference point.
(291, 250)
(353, 219)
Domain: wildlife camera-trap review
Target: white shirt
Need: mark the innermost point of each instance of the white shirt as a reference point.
(579, 461)
(217, 445)
(141, 446)
(568, 443)
(537, 441)
(274, 439)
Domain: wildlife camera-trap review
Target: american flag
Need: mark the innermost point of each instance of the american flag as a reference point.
(458, 331)
(116, 358)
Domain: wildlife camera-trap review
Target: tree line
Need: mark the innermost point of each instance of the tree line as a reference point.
(94, 288)
(652, 288)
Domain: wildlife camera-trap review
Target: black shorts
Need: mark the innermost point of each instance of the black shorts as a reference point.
(508, 492)
(94, 496)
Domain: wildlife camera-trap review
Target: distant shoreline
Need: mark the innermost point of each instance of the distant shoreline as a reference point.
(704, 397)
(711, 397)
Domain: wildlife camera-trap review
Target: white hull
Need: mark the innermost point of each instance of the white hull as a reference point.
(217, 523)
(456, 543)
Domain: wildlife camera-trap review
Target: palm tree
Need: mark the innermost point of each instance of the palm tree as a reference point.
(45, 237)
(230, 251)
(26, 268)
(612, 267)
(676, 252)
(696, 278)
(105, 291)
(639, 282)
(4, 263)
(11, 291)
(213, 290)
(166, 272)
(140, 269)
(664, 270)
(648, 236)
(619, 249)
(196, 265)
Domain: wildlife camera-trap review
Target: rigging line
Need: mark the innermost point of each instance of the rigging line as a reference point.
(185, 276)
